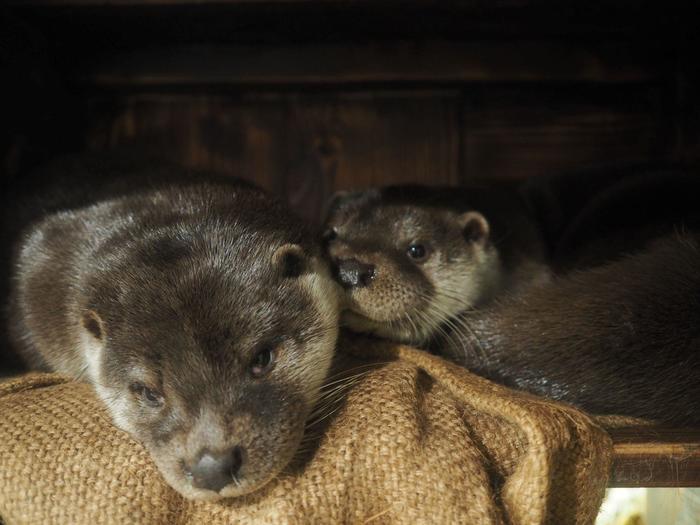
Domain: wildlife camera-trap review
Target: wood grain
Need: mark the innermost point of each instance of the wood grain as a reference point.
(374, 62)
(656, 457)
(303, 147)
(527, 132)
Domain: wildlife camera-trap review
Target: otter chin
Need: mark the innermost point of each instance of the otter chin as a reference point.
(204, 315)
(412, 258)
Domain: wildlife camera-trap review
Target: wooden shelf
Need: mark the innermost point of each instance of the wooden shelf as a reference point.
(656, 457)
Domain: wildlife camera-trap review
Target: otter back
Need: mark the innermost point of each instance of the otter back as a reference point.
(622, 338)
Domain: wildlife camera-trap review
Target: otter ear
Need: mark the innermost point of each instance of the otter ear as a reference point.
(341, 199)
(290, 259)
(475, 227)
(93, 325)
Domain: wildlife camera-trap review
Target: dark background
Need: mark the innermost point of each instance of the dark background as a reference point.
(305, 97)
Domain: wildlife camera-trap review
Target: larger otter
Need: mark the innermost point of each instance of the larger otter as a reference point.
(623, 338)
(202, 313)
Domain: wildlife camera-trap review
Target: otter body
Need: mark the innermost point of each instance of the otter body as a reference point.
(202, 313)
(622, 337)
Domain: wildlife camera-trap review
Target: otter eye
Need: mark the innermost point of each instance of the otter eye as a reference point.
(416, 251)
(262, 362)
(151, 397)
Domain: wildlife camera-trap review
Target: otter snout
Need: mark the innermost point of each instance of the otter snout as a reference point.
(214, 470)
(352, 273)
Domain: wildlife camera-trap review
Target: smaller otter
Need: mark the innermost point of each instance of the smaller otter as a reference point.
(411, 257)
(202, 312)
(432, 267)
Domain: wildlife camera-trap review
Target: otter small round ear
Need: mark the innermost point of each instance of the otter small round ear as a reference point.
(290, 259)
(93, 324)
(475, 227)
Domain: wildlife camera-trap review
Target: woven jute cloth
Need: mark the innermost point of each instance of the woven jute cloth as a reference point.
(414, 440)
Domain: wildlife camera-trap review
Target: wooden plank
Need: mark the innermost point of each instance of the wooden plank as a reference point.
(362, 140)
(303, 147)
(377, 62)
(517, 133)
(656, 457)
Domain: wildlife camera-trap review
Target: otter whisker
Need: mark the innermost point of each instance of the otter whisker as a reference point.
(333, 396)
(344, 372)
(460, 322)
(437, 315)
(441, 331)
(82, 372)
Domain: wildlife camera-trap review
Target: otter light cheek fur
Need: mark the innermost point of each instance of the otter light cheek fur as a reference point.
(326, 293)
(456, 293)
(91, 347)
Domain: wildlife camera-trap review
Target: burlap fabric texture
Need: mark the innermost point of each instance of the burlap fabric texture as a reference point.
(415, 440)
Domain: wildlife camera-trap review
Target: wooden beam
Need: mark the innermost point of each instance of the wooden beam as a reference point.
(391, 62)
(656, 457)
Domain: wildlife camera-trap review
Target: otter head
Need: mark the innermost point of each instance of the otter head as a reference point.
(408, 265)
(209, 345)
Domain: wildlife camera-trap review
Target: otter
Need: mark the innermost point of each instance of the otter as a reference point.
(407, 256)
(201, 310)
(621, 337)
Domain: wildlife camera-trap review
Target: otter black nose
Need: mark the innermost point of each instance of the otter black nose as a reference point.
(353, 273)
(215, 470)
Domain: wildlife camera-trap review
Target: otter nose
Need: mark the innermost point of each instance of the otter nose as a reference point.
(353, 273)
(215, 470)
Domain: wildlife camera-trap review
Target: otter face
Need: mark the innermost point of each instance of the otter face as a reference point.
(213, 356)
(408, 268)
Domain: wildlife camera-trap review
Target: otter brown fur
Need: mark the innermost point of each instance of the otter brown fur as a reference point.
(202, 312)
(620, 338)
(623, 338)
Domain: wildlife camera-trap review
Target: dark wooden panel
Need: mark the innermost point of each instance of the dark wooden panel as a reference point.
(362, 63)
(212, 133)
(521, 132)
(302, 147)
(656, 457)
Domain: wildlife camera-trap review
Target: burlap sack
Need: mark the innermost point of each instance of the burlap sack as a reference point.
(414, 440)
